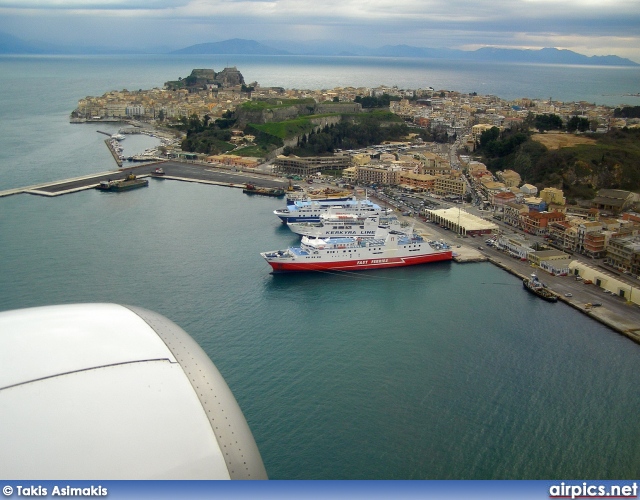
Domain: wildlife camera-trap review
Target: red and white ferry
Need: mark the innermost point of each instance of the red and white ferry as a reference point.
(387, 249)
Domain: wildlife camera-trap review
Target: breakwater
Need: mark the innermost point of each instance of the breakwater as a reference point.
(114, 152)
(175, 170)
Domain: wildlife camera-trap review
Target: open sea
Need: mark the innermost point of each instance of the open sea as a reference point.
(442, 371)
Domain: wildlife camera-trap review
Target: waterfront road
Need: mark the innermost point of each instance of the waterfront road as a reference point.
(613, 311)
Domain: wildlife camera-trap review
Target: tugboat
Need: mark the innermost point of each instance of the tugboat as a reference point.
(535, 286)
(129, 182)
(253, 189)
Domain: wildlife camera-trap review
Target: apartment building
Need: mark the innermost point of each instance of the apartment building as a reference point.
(450, 186)
(510, 178)
(513, 213)
(590, 239)
(419, 182)
(553, 196)
(305, 167)
(529, 190)
(378, 174)
(624, 254)
(501, 198)
(537, 222)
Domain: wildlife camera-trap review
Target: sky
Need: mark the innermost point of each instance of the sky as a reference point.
(590, 27)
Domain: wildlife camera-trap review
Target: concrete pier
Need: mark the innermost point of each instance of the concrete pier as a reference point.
(114, 153)
(185, 172)
(614, 312)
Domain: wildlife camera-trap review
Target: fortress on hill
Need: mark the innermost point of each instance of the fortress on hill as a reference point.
(200, 79)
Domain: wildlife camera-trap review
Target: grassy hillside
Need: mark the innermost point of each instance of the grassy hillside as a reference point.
(288, 128)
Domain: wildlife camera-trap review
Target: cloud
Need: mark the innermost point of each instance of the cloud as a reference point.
(599, 26)
(89, 5)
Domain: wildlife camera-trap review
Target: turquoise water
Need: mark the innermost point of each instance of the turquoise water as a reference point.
(436, 371)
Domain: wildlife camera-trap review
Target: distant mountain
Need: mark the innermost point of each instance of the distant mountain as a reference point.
(10, 44)
(542, 56)
(233, 46)
(492, 54)
(548, 56)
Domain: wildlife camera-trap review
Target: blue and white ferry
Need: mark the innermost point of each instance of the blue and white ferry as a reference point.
(310, 211)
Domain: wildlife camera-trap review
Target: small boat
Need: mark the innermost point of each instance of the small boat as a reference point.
(129, 182)
(264, 191)
(158, 172)
(535, 286)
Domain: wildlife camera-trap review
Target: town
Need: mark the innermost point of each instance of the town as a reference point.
(441, 182)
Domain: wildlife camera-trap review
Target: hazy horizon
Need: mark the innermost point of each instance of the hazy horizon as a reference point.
(583, 26)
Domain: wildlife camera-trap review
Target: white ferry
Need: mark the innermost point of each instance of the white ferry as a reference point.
(307, 211)
(386, 249)
(333, 224)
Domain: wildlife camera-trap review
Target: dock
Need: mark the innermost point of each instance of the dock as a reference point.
(114, 153)
(615, 313)
(178, 171)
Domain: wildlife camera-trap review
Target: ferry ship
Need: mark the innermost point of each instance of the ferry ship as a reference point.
(310, 211)
(386, 249)
(333, 224)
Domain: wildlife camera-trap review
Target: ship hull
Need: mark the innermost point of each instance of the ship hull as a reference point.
(265, 192)
(124, 186)
(288, 266)
(544, 295)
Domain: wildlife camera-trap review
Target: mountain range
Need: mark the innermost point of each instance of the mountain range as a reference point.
(10, 44)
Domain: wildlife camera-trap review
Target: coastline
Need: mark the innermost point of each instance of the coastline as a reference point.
(614, 314)
(611, 314)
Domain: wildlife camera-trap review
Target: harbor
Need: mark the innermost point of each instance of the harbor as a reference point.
(612, 311)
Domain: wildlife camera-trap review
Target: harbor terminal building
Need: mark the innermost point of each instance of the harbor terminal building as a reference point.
(461, 222)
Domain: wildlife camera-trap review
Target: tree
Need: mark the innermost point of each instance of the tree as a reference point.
(522, 164)
(548, 122)
(577, 123)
